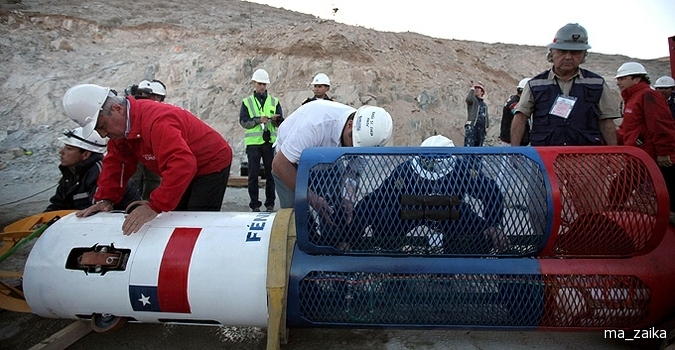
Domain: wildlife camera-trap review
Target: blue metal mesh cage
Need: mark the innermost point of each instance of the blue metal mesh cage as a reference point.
(422, 299)
(550, 237)
(422, 201)
(473, 300)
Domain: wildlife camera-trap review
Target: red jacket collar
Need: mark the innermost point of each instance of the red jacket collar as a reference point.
(627, 93)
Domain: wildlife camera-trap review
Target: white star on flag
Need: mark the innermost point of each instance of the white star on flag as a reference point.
(145, 300)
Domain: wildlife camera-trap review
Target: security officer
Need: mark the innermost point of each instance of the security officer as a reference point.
(260, 115)
(569, 105)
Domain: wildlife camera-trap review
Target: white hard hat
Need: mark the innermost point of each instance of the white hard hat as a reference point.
(92, 143)
(522, 82)
(321, 79)
(372, 127)
(437, 141)
(144, 84)
(152, 87)
(157, 88)
(433, 168)
(664, 82)
(83, 103)
(630, 68)
(261, 76)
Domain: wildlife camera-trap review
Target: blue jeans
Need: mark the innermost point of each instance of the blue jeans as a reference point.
(474, 136)
(286, 196)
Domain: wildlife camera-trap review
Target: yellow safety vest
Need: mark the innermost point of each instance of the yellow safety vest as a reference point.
(254, 136)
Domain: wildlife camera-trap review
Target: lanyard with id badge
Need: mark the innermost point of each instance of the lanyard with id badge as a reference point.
(563, 106)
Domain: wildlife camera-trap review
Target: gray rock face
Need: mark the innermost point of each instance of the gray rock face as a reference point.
(206, 51)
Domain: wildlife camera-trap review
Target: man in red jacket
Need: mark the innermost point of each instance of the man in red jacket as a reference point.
(647, 123)
(191, 157)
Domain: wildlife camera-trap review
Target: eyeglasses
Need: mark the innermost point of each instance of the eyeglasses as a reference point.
(320, 85)
(665, 88)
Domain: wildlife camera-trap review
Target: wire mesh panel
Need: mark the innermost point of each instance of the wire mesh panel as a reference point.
(598, 301)
(609, 205)
(422, 201)
(421, 299)
(494, 300)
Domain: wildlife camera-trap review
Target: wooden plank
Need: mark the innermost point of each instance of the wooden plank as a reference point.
(12, 299)
(64, 338)
(242, 181)
(11, 274)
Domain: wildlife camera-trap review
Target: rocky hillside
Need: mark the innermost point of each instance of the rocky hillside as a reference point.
(205, 51)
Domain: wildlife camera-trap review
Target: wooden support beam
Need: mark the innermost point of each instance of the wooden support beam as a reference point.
(64, 338)
(242, 181)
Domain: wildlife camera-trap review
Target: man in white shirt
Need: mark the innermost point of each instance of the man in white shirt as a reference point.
(324, 124)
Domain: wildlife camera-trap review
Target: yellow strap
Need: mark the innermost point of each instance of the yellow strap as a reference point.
(282, 240)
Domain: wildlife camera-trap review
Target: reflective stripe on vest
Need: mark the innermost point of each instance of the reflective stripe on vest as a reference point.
(254, 136)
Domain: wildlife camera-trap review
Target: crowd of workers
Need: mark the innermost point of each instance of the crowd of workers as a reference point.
(160, 157)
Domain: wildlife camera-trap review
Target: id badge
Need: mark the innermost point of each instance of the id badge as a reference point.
(563, 106)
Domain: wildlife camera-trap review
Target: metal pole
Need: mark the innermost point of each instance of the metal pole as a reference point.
(671, 46)
(23, 241)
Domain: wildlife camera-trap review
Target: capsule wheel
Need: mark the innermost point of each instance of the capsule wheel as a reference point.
(104, 323)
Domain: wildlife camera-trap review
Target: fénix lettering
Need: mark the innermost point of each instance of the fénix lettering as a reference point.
(630, 335)
(256, 226)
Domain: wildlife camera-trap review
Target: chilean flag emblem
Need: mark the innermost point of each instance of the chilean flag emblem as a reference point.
(170, 292)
